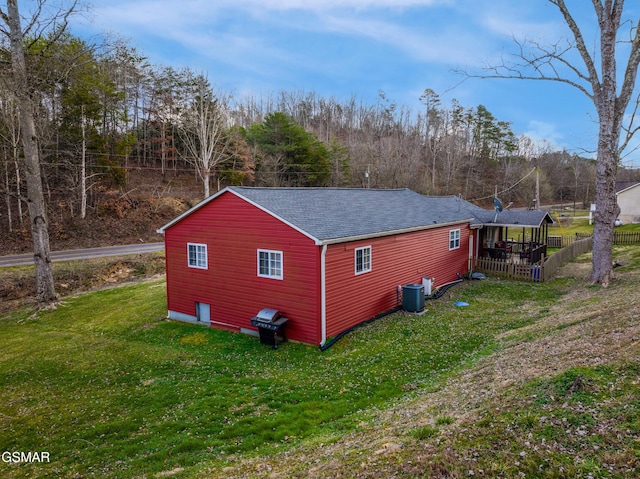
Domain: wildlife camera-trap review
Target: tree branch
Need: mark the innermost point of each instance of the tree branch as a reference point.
(631, 71)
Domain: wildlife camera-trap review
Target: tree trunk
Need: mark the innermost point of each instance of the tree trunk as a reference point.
(205, 181)
(35, 197)
(607, 209)
(7, 194)
(610, 118)
(83, 171)
(18, 191)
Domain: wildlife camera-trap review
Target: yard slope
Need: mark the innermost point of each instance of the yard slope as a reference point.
(533, 379)
(473, 424)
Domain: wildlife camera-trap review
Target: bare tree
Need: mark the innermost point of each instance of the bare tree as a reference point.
(23, 82)
(558, 62)
(10, 136)
(203, 130)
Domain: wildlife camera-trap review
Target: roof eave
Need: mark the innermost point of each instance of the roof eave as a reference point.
(380, 234)
(546, 217)
(514, 225)
(627, 188)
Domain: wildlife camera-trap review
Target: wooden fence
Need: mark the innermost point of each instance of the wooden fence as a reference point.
(507, 268)
(560, 241)
(626, 237)
(619, 237)
(557, 259)
(544, 270)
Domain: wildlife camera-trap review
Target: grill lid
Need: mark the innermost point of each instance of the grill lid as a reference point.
(267, 315)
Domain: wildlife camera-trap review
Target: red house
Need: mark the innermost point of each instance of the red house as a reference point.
(327, 258)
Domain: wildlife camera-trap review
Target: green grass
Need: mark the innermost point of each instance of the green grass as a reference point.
(112, 390)
(424, 432)
(571, 226)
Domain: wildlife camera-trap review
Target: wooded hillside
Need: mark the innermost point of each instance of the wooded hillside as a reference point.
(128, 143)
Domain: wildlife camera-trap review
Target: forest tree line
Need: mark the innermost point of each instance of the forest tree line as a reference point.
(101, 112)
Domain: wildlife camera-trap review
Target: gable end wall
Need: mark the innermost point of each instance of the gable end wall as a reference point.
(234, 230)
(629, 202)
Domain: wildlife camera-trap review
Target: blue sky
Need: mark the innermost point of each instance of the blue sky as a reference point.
(340, 48)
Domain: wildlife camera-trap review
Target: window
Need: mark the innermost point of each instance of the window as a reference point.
(197, 255)
(454, 239)
(270, 264)
(363, 260)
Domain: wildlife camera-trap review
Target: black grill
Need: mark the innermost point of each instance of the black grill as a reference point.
(270, 324)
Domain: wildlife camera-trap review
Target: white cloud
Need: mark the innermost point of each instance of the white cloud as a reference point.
(544, 131)
(215, 29)
(442, 45)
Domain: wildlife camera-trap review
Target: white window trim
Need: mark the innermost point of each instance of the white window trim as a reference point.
(206, 256)
(454, 237)
(271, 252)
(355, 261)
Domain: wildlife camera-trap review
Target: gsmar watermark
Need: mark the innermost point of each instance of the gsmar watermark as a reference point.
(20, 456)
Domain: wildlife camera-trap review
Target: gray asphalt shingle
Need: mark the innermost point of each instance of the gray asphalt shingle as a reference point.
(338, 213)
(331, 213)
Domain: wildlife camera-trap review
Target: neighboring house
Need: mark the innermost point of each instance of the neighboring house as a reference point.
(326, 258)
(628, 197)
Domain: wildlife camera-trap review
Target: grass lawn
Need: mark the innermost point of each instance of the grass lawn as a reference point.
(112, 390)
(571, 226)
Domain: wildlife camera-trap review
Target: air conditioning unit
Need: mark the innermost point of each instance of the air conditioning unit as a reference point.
(413, 298)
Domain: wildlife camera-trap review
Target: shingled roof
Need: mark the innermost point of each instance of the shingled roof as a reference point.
(344, 214)
(339, 213)
(513, 218)
(625, 185)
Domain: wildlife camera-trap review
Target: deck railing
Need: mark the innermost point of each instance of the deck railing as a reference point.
(542, 270)
(507, 268)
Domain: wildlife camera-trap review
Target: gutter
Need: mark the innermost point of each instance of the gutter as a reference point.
(323, 296)
(380, 234)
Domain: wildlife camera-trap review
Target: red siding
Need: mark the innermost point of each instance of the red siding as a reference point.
(396, 261)
(234, 230)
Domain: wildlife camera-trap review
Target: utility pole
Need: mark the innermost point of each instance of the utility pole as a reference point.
(537, 188)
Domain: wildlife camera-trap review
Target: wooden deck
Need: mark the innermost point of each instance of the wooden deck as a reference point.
(522, 269)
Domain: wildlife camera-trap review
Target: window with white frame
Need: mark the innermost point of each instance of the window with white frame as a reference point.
(270, 264)
(197, 254)
(363, 260)
(454, 239)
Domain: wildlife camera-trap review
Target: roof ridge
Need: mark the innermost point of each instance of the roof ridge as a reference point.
(319, 188)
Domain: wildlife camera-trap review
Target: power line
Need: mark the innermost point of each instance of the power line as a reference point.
(506, 189)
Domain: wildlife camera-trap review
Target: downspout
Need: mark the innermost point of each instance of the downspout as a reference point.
(323, 296)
